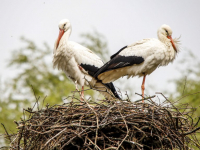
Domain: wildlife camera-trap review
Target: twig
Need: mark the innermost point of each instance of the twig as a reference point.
(198, 128)
(6, 133)
(96, 120)
(37, 99)
(197, 122)
(184, 85)
(126, 129)
(186, 96)
(95, 145)
(144, 98)
(54, 137)
(74, 138)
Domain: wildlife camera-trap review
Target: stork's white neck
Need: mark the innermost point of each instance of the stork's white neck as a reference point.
(66, 36)
(163, 38)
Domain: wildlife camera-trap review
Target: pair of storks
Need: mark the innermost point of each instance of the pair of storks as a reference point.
(84, 67)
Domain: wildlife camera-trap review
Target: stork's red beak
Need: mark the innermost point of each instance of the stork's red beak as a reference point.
(61, 32)
(169, 37)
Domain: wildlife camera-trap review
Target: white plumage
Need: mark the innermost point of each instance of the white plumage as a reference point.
(78, 62)
(141, 58)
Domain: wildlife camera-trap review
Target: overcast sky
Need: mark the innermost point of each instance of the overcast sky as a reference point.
(122, 22)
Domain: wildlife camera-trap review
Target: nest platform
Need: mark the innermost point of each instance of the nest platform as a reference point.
(108, 125)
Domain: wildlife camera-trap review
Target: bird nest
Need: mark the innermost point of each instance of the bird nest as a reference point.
(106, 125)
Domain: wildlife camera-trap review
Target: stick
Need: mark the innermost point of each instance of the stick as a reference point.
(6, 132)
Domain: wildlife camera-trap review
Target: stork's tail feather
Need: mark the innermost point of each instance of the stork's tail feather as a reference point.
(107, 90)
(112, 88)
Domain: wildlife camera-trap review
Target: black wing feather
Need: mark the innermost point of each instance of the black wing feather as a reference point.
(119, 62)
(111, 57)
(91, 69)
(112, 88)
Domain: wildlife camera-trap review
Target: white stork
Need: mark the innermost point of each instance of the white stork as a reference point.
(141, 58)
(78, 62)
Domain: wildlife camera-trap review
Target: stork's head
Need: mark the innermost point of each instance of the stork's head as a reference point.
(165, 32)
(64, 25)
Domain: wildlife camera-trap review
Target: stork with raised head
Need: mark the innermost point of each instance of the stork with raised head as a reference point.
(141, 58)
(78, 62)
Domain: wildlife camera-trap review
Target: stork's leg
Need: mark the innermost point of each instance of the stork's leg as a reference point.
(82, 94)
(143, 87)
(76, 85)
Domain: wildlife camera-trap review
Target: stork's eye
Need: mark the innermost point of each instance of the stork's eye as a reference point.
(166, 31)
(64, 25)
